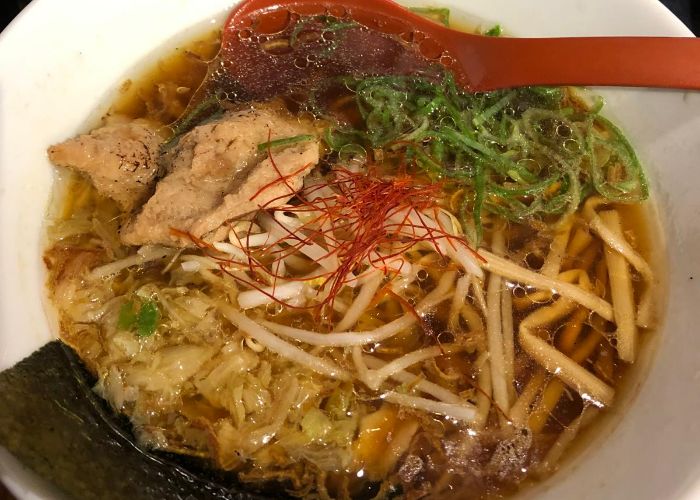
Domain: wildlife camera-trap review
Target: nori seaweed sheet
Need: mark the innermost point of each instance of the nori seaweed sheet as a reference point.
(56, 425)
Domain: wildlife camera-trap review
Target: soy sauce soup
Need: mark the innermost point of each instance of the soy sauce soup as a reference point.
(452, 292)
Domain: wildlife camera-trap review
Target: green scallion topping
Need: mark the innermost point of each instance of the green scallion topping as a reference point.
(286, 141)
(440, 16)
(495, 30)
(322, 23)
(522, 153)
(208, 109)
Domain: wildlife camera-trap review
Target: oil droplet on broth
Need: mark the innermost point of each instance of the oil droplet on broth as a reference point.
(301, 62)
(245, 34)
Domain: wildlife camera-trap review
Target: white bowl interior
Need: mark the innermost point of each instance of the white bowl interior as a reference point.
(62, 60)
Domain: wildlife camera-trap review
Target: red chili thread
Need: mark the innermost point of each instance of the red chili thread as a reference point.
(352, 225)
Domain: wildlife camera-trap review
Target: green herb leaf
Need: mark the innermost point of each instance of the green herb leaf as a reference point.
(441, 16)
(147, 319)
(208, 109)
(495, 30)
(127, 316)
(286, 141)
(321, 23)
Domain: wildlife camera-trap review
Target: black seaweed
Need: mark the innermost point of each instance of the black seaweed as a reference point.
(56, 425)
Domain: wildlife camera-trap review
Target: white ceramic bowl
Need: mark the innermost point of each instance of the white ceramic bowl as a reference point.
(61, 60)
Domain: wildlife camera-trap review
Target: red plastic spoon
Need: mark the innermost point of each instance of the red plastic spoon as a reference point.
(480, 62)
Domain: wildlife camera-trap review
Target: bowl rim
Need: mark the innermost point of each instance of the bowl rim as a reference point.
(22, 24)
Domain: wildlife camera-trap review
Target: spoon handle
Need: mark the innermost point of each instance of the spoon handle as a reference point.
(492, 63)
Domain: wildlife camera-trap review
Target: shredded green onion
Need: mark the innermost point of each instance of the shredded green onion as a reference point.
(441, 16)
(208, 109)
(495, 30)
(327, 24)
(522, 153)
(286, 141)
(621, 177)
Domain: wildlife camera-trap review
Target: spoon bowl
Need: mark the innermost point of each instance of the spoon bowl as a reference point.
(482, 63)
